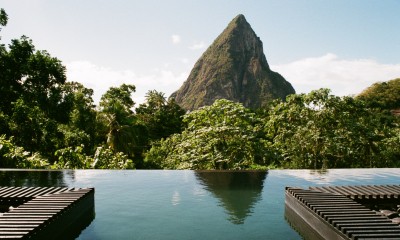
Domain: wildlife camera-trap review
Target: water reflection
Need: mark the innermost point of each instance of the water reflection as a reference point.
(34, 178)
(237, 191)
(343, 176)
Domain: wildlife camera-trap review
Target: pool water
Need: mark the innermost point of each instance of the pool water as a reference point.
(151, 204)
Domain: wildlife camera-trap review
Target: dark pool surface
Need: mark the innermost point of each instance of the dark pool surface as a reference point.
(193, 205)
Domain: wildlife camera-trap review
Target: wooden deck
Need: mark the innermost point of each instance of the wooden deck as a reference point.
(363, 192)
(45, 213)
(334, 213)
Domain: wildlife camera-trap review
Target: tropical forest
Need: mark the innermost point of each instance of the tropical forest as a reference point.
(49, 122)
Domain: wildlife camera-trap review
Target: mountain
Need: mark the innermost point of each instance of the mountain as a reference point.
(234, 67)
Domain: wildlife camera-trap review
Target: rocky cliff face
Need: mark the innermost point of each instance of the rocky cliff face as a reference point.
(234, 67)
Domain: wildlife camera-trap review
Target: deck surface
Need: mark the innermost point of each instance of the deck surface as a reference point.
(363, 192)
(334, 213)
(43, 212)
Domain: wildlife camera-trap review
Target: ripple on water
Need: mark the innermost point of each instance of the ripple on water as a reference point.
(347, 176)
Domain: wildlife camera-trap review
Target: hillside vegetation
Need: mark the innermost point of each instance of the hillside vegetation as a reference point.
(48, 122)
(384, 95)
(315, 130)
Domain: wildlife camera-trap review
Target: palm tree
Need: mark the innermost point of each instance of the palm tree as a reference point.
(123, 132)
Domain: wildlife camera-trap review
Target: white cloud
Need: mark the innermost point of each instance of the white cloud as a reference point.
(198, 45)
(176, 39)
(100, 79)
(343, 77)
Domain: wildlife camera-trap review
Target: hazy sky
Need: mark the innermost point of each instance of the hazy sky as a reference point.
(343, 45)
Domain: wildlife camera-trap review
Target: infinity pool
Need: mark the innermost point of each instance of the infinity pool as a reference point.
(139, 204)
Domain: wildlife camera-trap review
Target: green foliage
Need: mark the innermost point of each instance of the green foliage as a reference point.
(45, 120)
(32, 75)
(3, 22)
(162, 118)
(321, 130)
(34, 131)
(83, 112)
(385, 95)
(123, 131)
(118, 99)
(42, 81)
(34, 161)
(13, 156)
(390, 149)
(160, 152)
(221, 136)
(81, 125)
(13, 64)
(4, 126)
(32, 99)
(105, 158)
(3, 17)
(71, 158)
(10, 154)
(72, 136)
(29, 125)
(45, 114)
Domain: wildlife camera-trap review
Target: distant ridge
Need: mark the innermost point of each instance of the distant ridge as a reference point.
(383, 95)
(234, 67)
